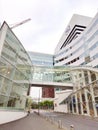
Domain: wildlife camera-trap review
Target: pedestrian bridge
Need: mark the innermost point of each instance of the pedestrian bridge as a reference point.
(58, 76)
(52, 84)
(44, 76)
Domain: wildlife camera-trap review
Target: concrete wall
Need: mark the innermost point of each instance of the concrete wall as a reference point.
(8, 116)
(59, 97)
(61, 108)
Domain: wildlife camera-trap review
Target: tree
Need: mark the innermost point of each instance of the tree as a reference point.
(28, 103)
(34, 105)
(47, 104)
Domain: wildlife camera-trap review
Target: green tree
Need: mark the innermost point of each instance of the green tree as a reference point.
(47, 104)
(34, 105)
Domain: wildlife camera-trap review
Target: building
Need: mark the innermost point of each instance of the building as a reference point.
(48, 92)
(75, 60)
(84, 98)
(71, 47)
(60, 96)
(78, 48)
(15, 75)
(40, 61)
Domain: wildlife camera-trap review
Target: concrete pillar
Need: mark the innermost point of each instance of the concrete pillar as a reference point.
(86, 100)
(59, 124)
(28, 93)
(71, 127)
(81, 103)
(92, 94)
(83, 80)
(77, 110)
(72, 105)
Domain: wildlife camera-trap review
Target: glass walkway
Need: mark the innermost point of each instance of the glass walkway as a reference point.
(44, 76)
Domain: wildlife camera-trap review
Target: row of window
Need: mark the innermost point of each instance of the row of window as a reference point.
(72, 34)
(82, 46)
(89, 39)
(72, 61)
(14, 70)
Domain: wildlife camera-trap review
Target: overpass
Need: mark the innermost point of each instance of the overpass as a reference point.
(57, 77)
(52, 84)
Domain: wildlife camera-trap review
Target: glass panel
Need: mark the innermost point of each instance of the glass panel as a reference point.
(11, 102)
(93, 76)
(24, 89)
(25, 69)
(16, 103)
(6, 69)
(19, 76)
(19, 89)
(12, 41)
(15, 64)
(3, 101)
(23, 56)
(6, 86)
(16, 90)
(86, 77)
(3, 67)
(9, 53)
(1, 80)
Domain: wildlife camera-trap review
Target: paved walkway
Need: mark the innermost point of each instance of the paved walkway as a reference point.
(78, 121)
(31, 122)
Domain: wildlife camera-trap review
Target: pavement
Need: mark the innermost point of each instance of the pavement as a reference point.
(79, 122)
(30, 122)
(49, 120)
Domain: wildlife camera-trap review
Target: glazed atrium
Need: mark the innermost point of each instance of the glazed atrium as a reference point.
(15, 75)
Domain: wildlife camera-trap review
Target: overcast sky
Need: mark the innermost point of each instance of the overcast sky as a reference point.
(49, 19)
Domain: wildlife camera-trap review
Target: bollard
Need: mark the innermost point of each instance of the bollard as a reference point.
(71, 127)
(52, 122)
(59, 124)
(46, 118)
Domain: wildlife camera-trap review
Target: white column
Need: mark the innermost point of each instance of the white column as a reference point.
(92, 94)
(83, 80)
(86, 99)
(72, 106)
(81, 104)
(77, 110)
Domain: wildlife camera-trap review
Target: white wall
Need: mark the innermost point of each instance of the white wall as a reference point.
(61, 108)
(59, 97)
(8, 116)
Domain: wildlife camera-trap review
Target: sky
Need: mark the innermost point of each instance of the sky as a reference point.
(49, 18)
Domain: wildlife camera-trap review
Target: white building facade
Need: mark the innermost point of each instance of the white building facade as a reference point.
(78, 46)
(73, 46)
